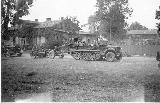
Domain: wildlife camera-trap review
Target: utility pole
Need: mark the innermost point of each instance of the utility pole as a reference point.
(110, 32)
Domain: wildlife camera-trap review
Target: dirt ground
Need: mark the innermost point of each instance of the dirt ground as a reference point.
(67, 80)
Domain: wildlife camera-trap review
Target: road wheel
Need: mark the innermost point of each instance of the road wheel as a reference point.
(110, 57)
(92, 57)
(76, 56)
(98, 56)
(84, 56)
(61, 56)
(20, 54)
(7, 54)
(32, 54)
(52, 54)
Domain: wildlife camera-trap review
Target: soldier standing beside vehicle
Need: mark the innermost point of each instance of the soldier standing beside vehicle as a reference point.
(158, 52)
(158, 58)
(77, 44)
(34, 51)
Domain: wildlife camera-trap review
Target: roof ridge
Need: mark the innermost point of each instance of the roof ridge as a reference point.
(150, 31)
(48, 23)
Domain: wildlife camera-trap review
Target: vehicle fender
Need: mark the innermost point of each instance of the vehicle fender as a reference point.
(109, 50)
(51, 51)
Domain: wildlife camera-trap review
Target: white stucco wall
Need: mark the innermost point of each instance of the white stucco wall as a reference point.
(39, 40)
(16, 40)
(86, 37)
(42, 39)
(21, 41)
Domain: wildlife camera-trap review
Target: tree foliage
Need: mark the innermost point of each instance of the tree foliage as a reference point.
(26, 29)
(158, 14)
(12, 10)
(112, 15)
(158, 18)
(137, 26)
(70, 24)
(93, 23)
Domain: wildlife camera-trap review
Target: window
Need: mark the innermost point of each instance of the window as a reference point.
(88, 41)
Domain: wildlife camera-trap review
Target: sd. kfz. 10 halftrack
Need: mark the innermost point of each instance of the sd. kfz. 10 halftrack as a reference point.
(94, 53)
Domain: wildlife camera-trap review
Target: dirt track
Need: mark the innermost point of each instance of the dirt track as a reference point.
(131, 79)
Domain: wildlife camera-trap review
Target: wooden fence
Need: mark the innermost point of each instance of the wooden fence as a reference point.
(148, 50)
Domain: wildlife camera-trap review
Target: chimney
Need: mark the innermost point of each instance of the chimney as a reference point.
(48, 19)
(62, 18)
(36, 20)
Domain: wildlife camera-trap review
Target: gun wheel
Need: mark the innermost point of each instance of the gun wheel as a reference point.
(52, 54)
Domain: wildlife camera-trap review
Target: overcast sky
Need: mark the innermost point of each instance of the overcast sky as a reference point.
(143, 10)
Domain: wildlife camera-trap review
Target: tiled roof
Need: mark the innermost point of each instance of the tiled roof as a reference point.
(60, 30)
(85, 33)
(12, 28)
(29, 21)
(47, 24)
(143, 32)
(22, 21)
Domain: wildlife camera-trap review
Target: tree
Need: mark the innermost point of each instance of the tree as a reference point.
(158, 18)
(26, 29)
(70, 24)
(112, 15)
(137, 26)
(11, 11)
(93, 23)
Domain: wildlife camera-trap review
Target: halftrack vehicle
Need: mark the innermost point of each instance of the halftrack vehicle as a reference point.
(99, 52)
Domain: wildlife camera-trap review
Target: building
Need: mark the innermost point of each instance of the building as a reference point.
(88, 33)
(15, 38)
(18, 34)
(142, 34)
(145, 36)
(49, 32)
(88, 37)
(30, 33)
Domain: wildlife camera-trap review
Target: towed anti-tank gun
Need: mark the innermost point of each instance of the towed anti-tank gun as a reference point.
(94, 52)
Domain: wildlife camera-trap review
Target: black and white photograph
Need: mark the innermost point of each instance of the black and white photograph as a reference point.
(80, 51)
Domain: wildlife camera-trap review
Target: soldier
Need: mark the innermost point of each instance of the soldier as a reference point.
(77, 44)
(35, 51)
(84, 43)
(35, 48)
(158, 58)
(56, 48)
